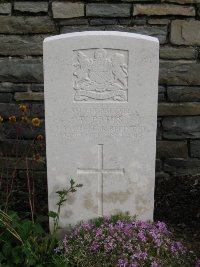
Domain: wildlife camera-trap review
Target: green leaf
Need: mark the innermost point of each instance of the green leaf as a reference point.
(72, 182)
(52, 214)
(25, 229)
(1, 257)
(59, 192)
(7, 248)
(17, 255)
(38, 229)
(62, 201)
(73, 190)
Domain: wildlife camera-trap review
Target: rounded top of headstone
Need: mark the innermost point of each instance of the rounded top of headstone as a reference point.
(102, 33)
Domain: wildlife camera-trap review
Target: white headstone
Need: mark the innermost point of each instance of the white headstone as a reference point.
(101, 109)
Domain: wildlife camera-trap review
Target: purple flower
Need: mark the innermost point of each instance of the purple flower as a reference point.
(126, 229)
(87, 226)
(75, 232)
(134, 224)
(128, 246)
(65, 241)
(120, 224)
(158, 242)
(154, 234)
(156, 237)
(181, 247)
(106, 217)
(154, 264)
(177, 246)
(140, 255)
(162, 227)
(122, 263)
(144, 225)
(98, 232)
(56, 250)
(110, 226)
(94, 246)
(198, 263)
(109, 243)
(108, 246)
(142, 235)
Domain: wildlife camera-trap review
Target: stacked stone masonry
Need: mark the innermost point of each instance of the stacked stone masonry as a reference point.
(176, 23)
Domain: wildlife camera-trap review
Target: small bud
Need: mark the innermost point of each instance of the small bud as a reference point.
(12, 119)
(36, 122)
(23, 107)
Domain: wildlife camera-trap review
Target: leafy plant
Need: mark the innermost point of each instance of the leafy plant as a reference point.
(123, 242)
(27, 243)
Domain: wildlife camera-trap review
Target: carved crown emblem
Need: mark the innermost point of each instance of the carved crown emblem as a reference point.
(100, 75)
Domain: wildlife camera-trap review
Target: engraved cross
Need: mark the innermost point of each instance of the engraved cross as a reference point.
(100, 171)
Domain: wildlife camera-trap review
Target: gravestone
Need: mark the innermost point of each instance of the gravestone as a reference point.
(101, 108)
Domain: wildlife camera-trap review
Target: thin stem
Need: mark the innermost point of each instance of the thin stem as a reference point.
(29, 190)
(33, 195)
(9, 192)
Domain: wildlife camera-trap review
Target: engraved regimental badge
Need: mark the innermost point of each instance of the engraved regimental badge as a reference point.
(100, 75)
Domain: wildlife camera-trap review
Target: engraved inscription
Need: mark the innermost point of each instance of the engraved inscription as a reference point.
(100, 171)
(100, 75)
(98, 123)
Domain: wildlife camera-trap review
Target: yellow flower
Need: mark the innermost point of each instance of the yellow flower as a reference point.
(42, 146)
(24, 119)
(12, 119)
(36, 121)
(23, 107)
(1, 119)
(36, 157)
(40, 137)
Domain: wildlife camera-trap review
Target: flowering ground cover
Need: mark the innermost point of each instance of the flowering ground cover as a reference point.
(123, 242)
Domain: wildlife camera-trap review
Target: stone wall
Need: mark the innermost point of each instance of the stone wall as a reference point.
(176, 23)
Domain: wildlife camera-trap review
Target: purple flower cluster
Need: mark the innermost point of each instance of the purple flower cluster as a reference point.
(198, 263)
(123, 243)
